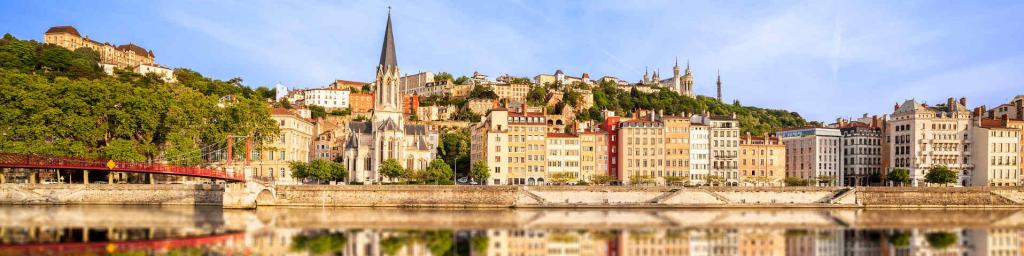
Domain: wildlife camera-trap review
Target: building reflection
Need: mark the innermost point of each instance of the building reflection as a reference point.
(98, 230)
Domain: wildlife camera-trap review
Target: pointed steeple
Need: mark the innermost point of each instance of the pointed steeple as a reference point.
(387, 51)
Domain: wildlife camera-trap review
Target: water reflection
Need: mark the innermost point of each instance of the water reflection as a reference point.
(365, 231)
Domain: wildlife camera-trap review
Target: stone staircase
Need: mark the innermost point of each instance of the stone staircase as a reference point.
(839, 195)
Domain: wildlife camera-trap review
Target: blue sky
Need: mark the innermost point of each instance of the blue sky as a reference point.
(823, 59)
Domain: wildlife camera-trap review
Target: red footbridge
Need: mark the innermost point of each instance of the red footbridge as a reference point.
(11, 160)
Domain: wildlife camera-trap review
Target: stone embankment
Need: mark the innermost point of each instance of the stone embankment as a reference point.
(254, 195)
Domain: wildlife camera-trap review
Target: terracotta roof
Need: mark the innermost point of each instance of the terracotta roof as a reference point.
(63, 29)
(560, 135)
(992, 123)
(138, 50)
(280, 111)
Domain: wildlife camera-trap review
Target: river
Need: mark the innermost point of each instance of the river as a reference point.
(154, 230)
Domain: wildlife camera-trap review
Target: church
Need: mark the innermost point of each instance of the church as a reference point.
(386, 135)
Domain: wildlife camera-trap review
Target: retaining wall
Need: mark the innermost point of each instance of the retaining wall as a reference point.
(148, 194)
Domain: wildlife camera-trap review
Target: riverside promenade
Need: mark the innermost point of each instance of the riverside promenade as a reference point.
(252, 195)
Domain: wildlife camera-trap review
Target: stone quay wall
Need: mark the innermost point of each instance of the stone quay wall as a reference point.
(253, 195)
(125, 194)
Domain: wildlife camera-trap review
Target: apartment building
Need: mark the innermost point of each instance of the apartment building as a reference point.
(700, 153)
(724, 146)
(762, 161)
(924, 136)
(642, 150)
(563, 156)
(813, 154)
(862, 152)
(996, 153)
(513, 146)
(593, 154)
(677, 145)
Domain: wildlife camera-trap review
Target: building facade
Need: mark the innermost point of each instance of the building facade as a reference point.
(513, 146)
(677, 146)
(925, 136)
(700, 152)
(642, 150)
(361, 102)
(862, 153)
(563, 157)
(813, 154)
(127, 56)
(762, 161)
(996, 154)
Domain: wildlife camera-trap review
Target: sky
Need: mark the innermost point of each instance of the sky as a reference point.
(822, 59)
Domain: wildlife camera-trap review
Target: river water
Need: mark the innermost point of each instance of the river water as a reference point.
(154, 230)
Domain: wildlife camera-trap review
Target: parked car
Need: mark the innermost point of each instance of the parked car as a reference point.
(463, 180)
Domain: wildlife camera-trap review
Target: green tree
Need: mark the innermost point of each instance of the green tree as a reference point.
(601, 179)
(641, 180)
(300, 170)
(941, 240)
(327, 170)
(453, 147)
(940, 174)
(560, 178)
(899, 239)
(317, 112)
(439, 173)
(480, 172)
(714, 180)
(677, 180)
(461, 80)
(392, 169)
(320, 243)
(899, 176)
(795, 181)
(443, 76)
(479, 244)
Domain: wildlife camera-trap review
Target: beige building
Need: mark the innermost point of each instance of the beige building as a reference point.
(723, 146)
(293, 144)
(996, 154)
(762, 161)
(512, 91)
(412, 83)
(481, 106)
(642, 150)
(593, 154)
(563, 156)
(560, 77)
(813, 154)
(677, 146)
(123, 56)
(862, 151)
(924, 136)
(513, 146)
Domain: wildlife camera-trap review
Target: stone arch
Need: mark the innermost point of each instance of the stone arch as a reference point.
(540, 181)
(530, 181)
(265, 197)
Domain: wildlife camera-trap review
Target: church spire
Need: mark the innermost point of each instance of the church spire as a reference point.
(387, 51)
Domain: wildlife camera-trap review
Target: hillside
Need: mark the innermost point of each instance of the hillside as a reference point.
(59, 102)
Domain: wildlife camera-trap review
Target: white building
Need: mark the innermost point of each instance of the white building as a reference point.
(700, 153)
(996, 154)
(163, 72)
(327, 98)
(280, 91)
(925, 136)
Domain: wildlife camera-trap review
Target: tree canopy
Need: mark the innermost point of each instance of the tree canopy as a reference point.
(392, 169)
(439, 173)
(899, 176)
(123, 117)
(940, 174)
(320, 169)
(480, 172)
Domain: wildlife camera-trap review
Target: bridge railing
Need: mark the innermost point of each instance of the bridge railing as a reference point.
(52, 162)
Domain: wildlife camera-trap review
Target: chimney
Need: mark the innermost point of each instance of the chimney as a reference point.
(874, 121)
(896, 107)
(963, 101)
(949, 104)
